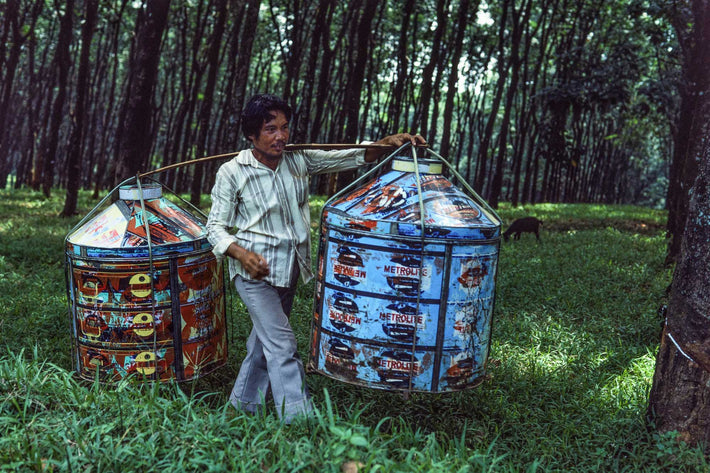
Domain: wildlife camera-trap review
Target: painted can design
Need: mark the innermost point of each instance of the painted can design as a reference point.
(398, 305)
(155, 312)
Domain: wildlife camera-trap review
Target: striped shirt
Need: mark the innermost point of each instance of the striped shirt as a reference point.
(266, 211)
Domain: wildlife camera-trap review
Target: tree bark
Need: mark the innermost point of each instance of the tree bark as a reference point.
(300, 133)
(694, 94)
(103, 176)
(136, 127)
(680, 395)
(246, 45)
(8, 68)
(515, 61)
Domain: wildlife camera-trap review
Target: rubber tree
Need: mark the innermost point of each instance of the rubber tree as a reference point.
(680, 394)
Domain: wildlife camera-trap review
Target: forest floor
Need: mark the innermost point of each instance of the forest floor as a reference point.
(574, 336)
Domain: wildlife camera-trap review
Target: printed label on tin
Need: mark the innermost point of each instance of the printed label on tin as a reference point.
(395, 273)
(376, 318)
(123, 328)
(460, 369)
(113, 286)
(468, 323)
(379, 367)
(113, 365)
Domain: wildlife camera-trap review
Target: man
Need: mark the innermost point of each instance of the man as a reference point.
(260, 220)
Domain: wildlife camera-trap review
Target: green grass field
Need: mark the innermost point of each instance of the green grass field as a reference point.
(575, 332)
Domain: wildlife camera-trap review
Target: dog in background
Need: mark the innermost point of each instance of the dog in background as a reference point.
(523, 225)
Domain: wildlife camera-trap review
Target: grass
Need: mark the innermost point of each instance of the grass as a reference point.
(575, 334)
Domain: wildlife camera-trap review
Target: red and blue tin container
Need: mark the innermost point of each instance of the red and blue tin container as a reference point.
(146, 294)
(404, 297)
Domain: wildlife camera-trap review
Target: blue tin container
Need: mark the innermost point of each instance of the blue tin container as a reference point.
(404, 299)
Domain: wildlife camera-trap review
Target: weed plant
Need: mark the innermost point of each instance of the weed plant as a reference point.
(575, 333)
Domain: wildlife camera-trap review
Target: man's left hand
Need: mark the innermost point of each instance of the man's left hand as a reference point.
(394, 141)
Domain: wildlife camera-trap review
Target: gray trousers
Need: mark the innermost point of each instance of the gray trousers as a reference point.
(272, 362)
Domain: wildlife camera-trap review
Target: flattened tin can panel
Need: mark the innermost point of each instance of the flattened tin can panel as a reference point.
(107, 285)
(379, 319)
(371, 365)
(391, 204)
(121, 329)
(114, 365)
(398, 318)
(394, 272)
(123, 224)
(461, 369)
(203, 356)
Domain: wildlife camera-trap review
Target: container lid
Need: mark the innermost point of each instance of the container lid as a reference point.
(121, 225)
(390, 204)
(150, 191)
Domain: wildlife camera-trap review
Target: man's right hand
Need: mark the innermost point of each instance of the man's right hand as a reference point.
(253, 263)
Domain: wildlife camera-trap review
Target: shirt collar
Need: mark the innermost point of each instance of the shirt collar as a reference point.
(247, 157)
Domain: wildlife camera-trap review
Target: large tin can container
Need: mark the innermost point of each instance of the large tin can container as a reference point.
(404, 300)
(145, 292)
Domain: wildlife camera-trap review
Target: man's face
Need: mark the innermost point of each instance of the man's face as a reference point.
(272, 139)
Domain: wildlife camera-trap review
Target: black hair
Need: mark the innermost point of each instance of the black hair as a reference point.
(258, 111)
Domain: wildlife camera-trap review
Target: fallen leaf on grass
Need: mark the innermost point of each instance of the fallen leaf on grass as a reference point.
(351, 467)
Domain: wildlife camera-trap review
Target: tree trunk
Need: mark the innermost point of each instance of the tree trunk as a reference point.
(74, 153)
(357, 76)
(361, 48)
(500, 87)
(461, 23)
(8, 68)
(395, 108)
(136, 127)
(327, 54)
(206, 107)
(421, 115)
(694, 101)
(246, 44)
(193, 25)
(527, 112)
(515, 60)
(103, 177)
(680, 395)
(300, 133)
(63, 62)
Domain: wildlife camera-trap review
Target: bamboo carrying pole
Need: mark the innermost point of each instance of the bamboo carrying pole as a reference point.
(289, 147)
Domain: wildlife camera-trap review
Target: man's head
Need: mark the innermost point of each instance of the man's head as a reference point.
(265, 121)
(259, 110)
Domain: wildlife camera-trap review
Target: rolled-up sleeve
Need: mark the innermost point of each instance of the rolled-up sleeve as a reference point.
(222, 216)
(319, 161)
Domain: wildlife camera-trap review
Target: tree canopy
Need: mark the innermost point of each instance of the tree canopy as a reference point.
(554, 100)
